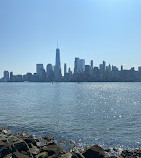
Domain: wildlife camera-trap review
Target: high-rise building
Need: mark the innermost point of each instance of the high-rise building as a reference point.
(39, 70)
(139, 69)
(50, 73)
(79, 65)
(65, 69)
(104, 66)
(92, 64)
(121, 67)
(69, 74)
(87, 72)
(87, 69)
(115, 72)
(11, 76)
(58, 62)
(57, 67)
(76, 65)
(57, 73)
(6, 76)
(49, 69)
(101, 67)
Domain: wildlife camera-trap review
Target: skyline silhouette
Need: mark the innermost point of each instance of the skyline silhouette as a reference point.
(81, 72)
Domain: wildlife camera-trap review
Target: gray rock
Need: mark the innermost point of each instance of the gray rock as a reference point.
(21, 146)
(34, 150)
(95, 151)
(67, 155)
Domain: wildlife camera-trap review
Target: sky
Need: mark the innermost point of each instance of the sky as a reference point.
(98, 30)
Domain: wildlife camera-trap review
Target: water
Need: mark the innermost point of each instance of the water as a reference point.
(107, 114)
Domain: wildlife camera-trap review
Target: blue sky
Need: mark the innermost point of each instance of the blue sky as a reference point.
(107, 30)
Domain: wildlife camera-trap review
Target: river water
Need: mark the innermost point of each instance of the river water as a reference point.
(107, 114)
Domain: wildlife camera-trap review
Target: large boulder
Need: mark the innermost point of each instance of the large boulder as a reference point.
(29, 140)
(42, 155)
(2, 143)
(20, 155)
(6, 150)
(34, 150)
(95, 152)
(52, 150)
(67, 155)
(21, 146)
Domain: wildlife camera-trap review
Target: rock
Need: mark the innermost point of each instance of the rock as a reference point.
(2, 144)
(20, 155)
(42, 155)
(39, 144)
(29, 140)
(108, 150)
(12, 139)
(126, 153)
(52, 149)
(77, 155)
(67, 155)
(137, 152)
(47, 138)
(21, 146)
(3, 137)
(6, 150)
(95, 152)
(6, 131)
(24, 134)
(131, 154)
(34, 150)
(115, 149)
(51, 143)
(8, 156)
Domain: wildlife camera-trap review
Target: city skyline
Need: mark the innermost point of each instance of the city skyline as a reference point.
(94, 29)
(61, 66)
(81, 72)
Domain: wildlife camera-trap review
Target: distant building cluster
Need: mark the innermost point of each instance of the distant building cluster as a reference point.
(81, 73)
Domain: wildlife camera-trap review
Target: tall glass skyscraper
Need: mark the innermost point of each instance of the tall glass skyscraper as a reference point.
(58, 63)
(57, 67)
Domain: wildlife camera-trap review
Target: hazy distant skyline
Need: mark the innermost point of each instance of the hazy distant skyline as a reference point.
(100, 30)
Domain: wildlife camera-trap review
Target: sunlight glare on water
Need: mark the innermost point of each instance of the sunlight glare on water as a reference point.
(89, 113)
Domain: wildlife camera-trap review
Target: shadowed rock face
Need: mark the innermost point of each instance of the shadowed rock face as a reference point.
(95, 152)
(23, 145)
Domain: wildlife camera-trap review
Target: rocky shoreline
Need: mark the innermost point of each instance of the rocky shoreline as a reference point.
(24, 145)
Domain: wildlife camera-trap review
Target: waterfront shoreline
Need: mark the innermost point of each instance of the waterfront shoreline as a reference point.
(24, 145)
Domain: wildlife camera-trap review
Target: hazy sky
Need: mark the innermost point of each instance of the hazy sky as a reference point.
(107, 30)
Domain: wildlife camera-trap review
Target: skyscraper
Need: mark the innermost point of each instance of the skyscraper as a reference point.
(92, 65)
(50, 72)
(6, 76)
(121, 67)
(39, 70)
(11, 76)
(58, 63)
(65, 69)
(76, 65)
(57, 67)
(104, 66)
(79, 65)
